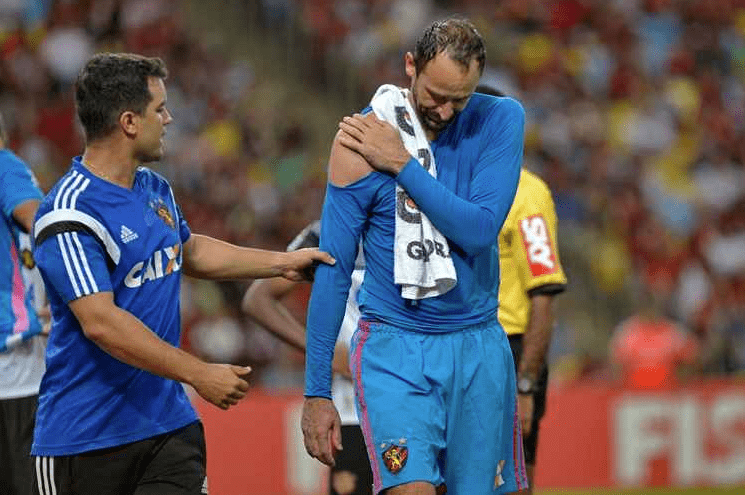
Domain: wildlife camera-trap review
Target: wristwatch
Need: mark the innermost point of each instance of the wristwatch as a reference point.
(525, 385)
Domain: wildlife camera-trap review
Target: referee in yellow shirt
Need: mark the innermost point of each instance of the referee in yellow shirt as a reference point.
(530, 276)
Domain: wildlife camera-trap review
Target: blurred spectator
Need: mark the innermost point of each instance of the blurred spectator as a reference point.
(67, 45)
(648, 349)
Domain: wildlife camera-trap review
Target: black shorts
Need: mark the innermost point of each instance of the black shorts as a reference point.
(170, 464)
(16, 433)
(351, 475)
(530, 442)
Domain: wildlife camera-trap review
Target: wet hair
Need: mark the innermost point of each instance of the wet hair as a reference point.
(455, 36)
(112, 83)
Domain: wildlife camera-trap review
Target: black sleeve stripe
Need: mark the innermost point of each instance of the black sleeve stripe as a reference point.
(69, 226)
(547, 290)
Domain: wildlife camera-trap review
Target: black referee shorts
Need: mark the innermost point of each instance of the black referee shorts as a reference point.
(174, 463)
(530, 442)
(352, 474)
(16, 433)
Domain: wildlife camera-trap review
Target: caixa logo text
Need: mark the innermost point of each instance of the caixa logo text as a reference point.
(163, 262)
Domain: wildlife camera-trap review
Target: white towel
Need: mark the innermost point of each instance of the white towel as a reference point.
(422, 265)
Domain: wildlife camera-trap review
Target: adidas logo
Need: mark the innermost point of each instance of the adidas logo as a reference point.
(128, 235)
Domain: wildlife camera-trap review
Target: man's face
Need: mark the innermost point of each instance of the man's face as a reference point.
(152, 123)
(441, 90)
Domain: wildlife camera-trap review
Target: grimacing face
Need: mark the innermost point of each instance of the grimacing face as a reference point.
(441, 90)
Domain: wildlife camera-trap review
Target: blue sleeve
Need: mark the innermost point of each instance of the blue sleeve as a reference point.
(183, 228)
(73, 265)
(18, 184)
(344, 215)
(473, 223)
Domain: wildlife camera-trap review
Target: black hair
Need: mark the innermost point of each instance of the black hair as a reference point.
(112, 83)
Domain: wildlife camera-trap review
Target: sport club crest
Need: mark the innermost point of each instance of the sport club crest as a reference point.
(160, 208)
(27, 259)
(394, 458)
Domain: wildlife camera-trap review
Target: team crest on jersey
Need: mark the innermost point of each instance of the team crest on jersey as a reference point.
(395, 456)
(27, 259)
(160, 208)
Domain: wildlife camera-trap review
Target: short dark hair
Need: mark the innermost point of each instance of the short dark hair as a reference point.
(457, 37)
(112, 83)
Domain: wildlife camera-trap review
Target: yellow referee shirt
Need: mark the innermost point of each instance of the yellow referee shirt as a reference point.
(528, 259)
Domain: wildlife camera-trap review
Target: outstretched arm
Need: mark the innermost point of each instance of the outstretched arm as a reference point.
(206, 257)
(263, 303)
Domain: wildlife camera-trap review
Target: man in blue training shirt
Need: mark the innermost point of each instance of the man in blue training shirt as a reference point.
(111, 244)
(21, 348)
(434, 376)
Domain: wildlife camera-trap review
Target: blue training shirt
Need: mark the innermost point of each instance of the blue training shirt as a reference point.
(478, 158)
(17, 315)
(94, 236)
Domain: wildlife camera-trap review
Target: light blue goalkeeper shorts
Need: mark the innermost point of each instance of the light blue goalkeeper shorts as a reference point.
(439, 408)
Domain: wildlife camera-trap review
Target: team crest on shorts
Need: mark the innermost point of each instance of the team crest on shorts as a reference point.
(499, 479)
(395, 457)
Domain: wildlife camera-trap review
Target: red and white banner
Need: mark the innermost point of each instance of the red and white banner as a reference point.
(593, 435)
(598, 436)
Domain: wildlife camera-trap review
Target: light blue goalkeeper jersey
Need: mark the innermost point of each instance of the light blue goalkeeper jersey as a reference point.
(478, 159)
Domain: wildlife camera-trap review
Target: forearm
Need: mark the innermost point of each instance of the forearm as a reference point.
(328, 300)
(342, 221)
(473, 221)
(267, 309)
(24, 214)
(537, 336)
(126, 338)
(209, 258)
(325, 314)
(469, 225)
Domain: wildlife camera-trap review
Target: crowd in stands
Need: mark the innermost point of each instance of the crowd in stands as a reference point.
(635, 118)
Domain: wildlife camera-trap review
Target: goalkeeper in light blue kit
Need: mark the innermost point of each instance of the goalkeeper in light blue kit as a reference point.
(426, 189)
